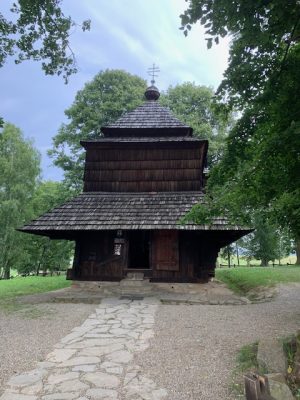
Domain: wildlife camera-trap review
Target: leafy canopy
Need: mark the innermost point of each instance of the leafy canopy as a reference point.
(194, 105)
(39, 30)
(260, 168)
(22, 198)
(39, 252)
(20, 168)
(262, 33)
(110, 94)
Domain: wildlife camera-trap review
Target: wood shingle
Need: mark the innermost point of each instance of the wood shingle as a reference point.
(128, 211)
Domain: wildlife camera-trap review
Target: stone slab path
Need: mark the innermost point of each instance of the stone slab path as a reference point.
(96, 360)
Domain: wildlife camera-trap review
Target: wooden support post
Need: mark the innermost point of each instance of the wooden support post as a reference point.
(257, 387)
(237, 253)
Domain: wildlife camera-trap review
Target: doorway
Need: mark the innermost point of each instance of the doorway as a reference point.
(139, 245)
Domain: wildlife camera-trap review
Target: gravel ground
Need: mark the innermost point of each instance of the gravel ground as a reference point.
(27, 336)
(193, 352)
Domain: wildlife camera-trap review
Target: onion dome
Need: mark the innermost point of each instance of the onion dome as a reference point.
(152, 93)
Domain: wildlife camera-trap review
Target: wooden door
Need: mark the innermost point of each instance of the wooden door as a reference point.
(165, 254)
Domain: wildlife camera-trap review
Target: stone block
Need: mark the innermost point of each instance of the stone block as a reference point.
(15, 396)
(102, 380)
(279, 390)
(103, 394)
(29, 378)
(270, 356)
(58, 378)
(60, 396)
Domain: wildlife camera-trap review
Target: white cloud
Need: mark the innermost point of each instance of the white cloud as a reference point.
(125, 34)
(143, 32)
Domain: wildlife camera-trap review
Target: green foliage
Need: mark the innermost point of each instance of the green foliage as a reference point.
(40, 253)
(259, 172)
(20, 168)
(261, 163)
(109, 95)
(266, 243)
(228, 252)
(22, 198)
(246, 363)
(39, 30)
(262, 33)
(246, 357)
(194, 105)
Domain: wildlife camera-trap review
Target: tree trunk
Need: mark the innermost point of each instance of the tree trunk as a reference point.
(298, 251)
(6, 272)
(264, 262)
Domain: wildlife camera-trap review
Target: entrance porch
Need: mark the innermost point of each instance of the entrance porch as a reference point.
(160, 255)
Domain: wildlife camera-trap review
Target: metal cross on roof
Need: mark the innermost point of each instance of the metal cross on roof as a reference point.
(153, 72)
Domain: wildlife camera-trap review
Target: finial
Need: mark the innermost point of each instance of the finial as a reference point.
(152, 93)
(153, 72)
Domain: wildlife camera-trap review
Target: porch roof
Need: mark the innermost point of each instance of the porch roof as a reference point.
(94, 211)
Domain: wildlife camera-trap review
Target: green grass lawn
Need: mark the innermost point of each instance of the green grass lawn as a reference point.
(243, 279)
(11, 289)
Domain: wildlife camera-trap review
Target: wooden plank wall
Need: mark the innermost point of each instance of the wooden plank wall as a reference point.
(144, 169)
(197, 253)
(95, 259)
(197, 259)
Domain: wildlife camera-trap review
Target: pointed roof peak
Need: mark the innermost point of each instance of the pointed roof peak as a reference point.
(149, 119)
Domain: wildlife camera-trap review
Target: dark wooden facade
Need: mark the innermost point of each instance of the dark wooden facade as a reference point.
(144, 167)
(164, 255)
(140, 179)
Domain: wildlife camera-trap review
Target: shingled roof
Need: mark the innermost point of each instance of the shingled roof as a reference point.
(92, 211)
(149, 116)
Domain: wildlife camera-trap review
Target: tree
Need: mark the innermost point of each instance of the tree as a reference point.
(110, 94)
(40, 252)
(267, 242)
(259, 169)
(194, 105)
(262, 33)
(262, 244)
(39, 31)
(228, 252)
(261, 163)
(20, 168)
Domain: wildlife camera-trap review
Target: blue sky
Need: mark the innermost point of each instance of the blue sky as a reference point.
(125, 34)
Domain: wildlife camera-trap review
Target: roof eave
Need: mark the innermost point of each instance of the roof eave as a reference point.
(144, 132)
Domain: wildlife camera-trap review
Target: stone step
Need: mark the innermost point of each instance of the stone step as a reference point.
(134, 283)
(137, 276)
(135, 292)
(135, 287)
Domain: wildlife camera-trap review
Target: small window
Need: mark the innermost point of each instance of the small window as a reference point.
(117, 249)
(118, 246)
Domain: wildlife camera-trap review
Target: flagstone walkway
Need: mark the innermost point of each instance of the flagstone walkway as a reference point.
(96, 360)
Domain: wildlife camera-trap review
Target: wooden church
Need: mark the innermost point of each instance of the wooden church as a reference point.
(140, 179)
